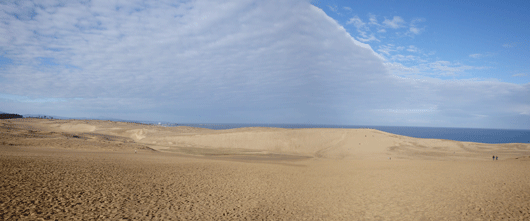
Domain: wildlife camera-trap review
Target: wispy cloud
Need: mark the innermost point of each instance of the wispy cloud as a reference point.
(447, 68)
(357, 22)
(388, 48)
(362, 29)
(419, 63)
(413, 48)
(413, 26)
(368, 39)
(375, 23)
(373, 19)
(396, 22)
(414, 30)
(400, 57)
(346, 8)
(479, 55)
(333, 8)
(365, 28)
(520, 75)
(397, 68)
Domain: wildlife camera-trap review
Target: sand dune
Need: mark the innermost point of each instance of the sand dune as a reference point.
(74, 169)
(315, 142)
(72, 127)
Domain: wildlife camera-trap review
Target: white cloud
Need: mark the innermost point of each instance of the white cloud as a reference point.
(396, 22)
(479, 55)
(400, 57)
(373, 22)
(422, 65)
(357, 22)
(419, 66)
(412, 48)
(509, 45)
(389, 48)
(447, 68)
(520, 75)
(373, 19)
(399, 69)
(524, 110)
(413, 29)
(362, 29)
(230, 61)
(368, 39)
(242, 55)
(346, 8)
(386, 49)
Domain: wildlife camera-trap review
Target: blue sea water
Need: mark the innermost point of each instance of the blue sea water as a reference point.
(491, 136)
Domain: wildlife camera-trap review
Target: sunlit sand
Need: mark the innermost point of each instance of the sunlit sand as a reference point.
(64, 169)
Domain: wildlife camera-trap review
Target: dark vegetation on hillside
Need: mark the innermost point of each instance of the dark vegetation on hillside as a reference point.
(9, 116)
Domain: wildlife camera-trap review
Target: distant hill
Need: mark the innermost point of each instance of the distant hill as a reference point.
(41, 116)
(9, 116)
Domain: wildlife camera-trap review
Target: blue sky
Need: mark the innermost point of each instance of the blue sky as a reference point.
(479, 39)
(394, 63)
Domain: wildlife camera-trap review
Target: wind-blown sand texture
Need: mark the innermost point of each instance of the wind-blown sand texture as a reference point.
(75, 169)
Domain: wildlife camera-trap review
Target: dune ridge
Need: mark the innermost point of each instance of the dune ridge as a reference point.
(313, 142)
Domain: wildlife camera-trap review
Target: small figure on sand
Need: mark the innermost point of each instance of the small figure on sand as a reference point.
(134, 151)
(496, 157)
(493, 157)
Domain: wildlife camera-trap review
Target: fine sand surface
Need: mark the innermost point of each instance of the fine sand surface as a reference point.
(76, 169)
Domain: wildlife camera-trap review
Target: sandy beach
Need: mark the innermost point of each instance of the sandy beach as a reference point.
(79, 169)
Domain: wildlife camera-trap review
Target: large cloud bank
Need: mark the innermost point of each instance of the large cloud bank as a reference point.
(224, 61)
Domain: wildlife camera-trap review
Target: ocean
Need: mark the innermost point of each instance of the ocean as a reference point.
(492, 136)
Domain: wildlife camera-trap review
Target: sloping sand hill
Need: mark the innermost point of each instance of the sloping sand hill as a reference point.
(312, 143)
(73, 169)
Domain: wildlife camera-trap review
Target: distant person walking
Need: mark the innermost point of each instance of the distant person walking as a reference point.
(496, 157)
(493, 157)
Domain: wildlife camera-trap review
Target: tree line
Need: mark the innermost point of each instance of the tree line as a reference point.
(9, 116)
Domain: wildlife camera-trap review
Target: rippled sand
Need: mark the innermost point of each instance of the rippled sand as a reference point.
(82, 172)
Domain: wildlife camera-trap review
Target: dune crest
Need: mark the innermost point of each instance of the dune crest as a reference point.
(312, 142)
(72, 127)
